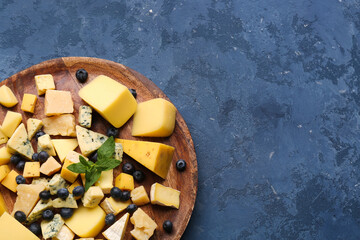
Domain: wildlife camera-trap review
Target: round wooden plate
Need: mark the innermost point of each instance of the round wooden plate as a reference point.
(63, 71)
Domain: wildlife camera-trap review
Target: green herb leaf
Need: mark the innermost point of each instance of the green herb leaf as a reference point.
(106, 150)
(107, 164)
(77, 168)
(91, 177)
(84, 162)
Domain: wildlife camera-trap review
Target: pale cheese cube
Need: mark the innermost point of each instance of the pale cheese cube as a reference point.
(10, 123)
(92, 197)
(44, 82)
(7, 97)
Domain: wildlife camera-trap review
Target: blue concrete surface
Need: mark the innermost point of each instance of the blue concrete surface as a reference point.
(269, 89)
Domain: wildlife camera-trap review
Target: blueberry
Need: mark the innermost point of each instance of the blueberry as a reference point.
(115, 193)
(20, 166)
(66, 212)
(133, 92)
(110, 219)
(139, 176)
(35, 157)
(39, 134)
(181, 165)
(15, 159)
(78, 191)
(48, 215)
(63, 193)
(168, 226)
(35, 228)
(43, 156)
(20, 179)
(93, 157)
(128, 168)
(112, 131)
(81, 75)
(131, 208)
(20, 216)
(45, 195)
(125, 195)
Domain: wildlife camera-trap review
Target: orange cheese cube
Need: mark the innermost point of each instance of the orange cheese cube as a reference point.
(31, 169)
(5, 155)
(58, 102)
(4, 170)
(50, 167)
(66, 173)
(10, 181)
(124, 181)
(3, 207)
(28, 103)
(74, 185)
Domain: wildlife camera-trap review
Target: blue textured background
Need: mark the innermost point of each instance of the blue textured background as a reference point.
(269, 89)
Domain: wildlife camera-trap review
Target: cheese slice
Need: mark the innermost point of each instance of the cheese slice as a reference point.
(5, 155)
(64, 146)
(50, 167)
(33, 126)
(10, 123)
(58, 102)
(164, 196)
(11, 229)
(3, 137)
(51, 228)
(88, 140)
(155, 156)
(38, 210)
(27, 197)
(20, 143)
(111, 99)
(64, 234)
(7, 97)
(63, 125)
(86, 222)
(144, 226)
(117, 230)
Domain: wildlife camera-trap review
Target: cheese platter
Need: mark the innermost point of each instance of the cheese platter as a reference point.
(73, 111)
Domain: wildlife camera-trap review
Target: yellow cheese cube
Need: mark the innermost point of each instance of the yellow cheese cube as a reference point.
(144, 226)
(87, 222)
(4, 171)
(3, 137)
(156, 157)
(43, 83)
(64, 146)
(45, 144)
(124, 181)
(33, 126)
(10, 123)
(5, 155)
(154, 118)
(66, 173)
(28, 103)
(7, 97)
(164, 196)
(11, 229)
(10, 180)
(58, 102)
(27, 197)
(63, 125)
(92, 197)
(64, 234)
(110, 98)
(105, 181)
(31, 169)
(110, 205)
(74, 185)
(3, 207)
(50, 167)
(139, 196)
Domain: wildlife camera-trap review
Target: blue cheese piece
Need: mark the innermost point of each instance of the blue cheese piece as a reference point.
(56, 183)
(20, 143)
(92, 197)
(118, 151)
(45, 144)
(88, 140)
(85, 115)
(33, 126)
(51, 228)
(38, 210)
(69, 202)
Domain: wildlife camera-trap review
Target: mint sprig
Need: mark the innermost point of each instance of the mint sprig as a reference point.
(105, 162)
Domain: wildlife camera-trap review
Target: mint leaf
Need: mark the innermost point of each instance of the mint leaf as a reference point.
(84, 162)
(106, 150)
(77, 168)
(91, 177)
(107, 164)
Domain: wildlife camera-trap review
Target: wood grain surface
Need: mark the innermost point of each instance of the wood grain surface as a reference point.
(63, 71)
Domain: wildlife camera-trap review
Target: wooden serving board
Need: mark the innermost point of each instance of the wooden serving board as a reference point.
(63, 71)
